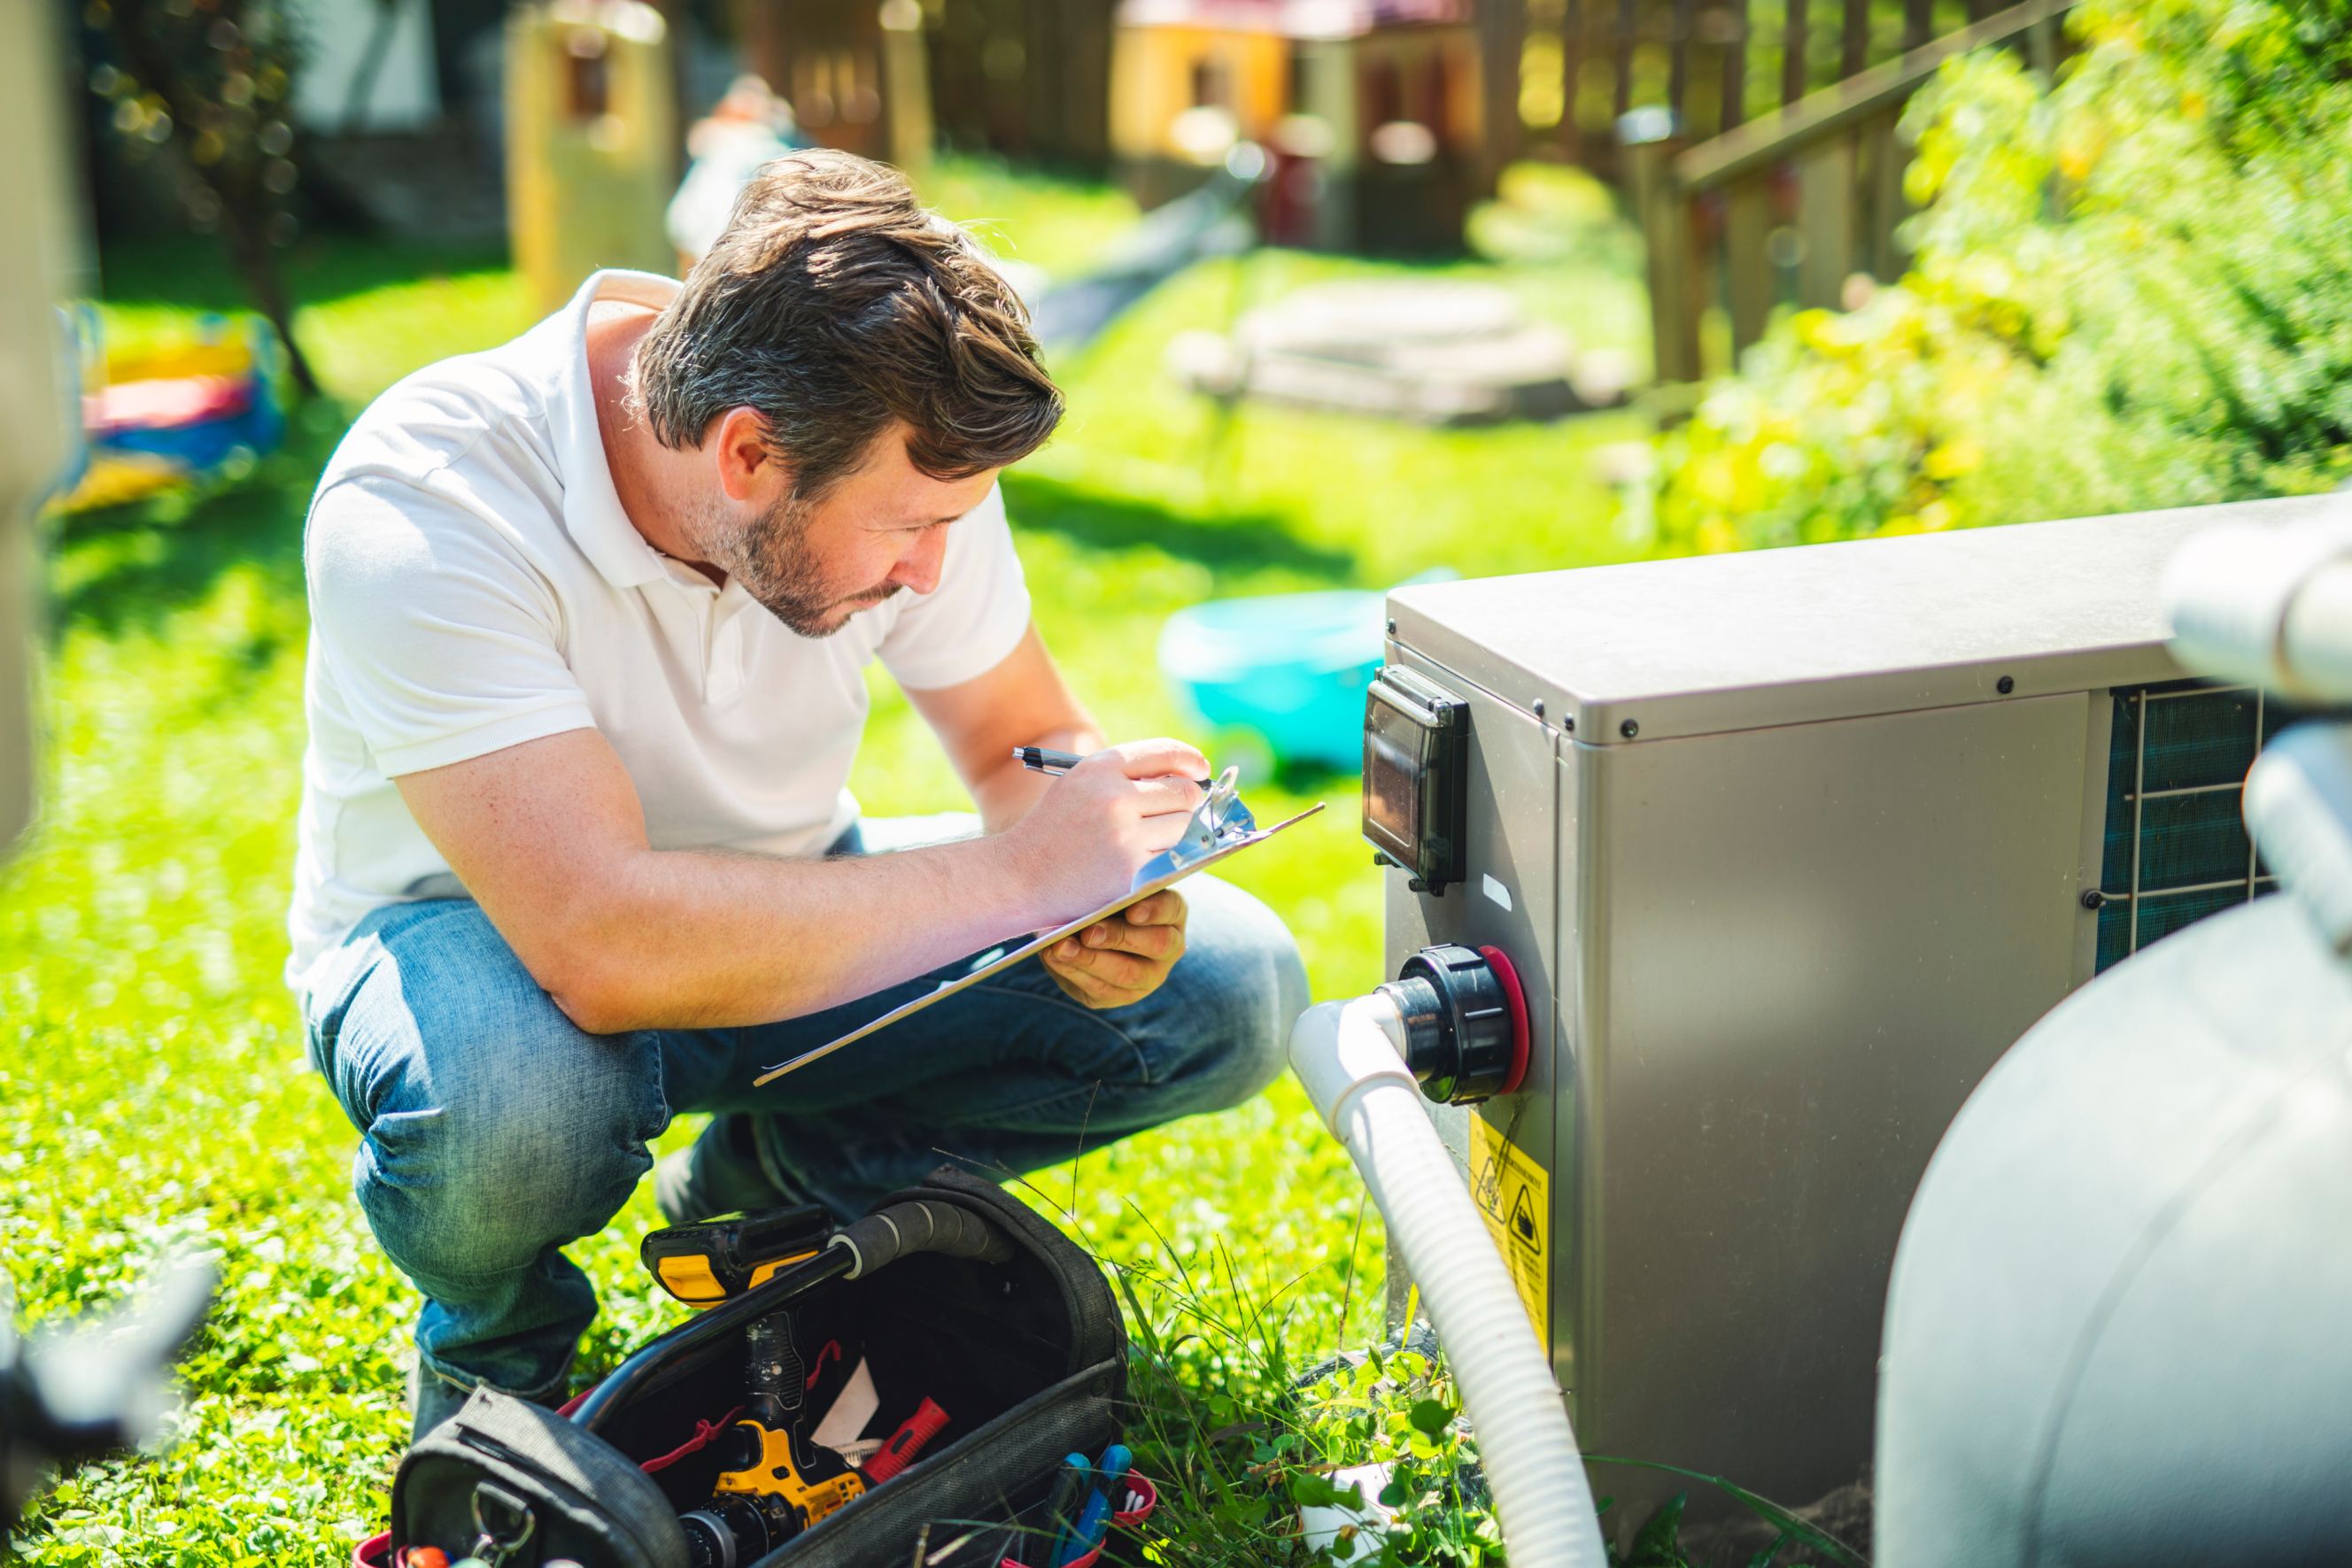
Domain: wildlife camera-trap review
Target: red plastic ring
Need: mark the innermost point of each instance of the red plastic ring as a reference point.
(1519, 997)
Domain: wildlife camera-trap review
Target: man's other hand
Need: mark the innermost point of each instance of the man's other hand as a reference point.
(1123, 957)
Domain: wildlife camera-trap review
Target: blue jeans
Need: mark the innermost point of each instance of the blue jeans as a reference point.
(493, 1130)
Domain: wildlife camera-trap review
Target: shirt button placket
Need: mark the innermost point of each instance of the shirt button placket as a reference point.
(724, 678)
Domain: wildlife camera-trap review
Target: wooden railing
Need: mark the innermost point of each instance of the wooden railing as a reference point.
(1827, 169)
(1704, 60)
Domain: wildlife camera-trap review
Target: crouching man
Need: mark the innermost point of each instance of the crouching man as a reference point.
(591, 614)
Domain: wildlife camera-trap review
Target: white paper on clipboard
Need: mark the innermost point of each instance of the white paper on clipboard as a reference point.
(1225, 847)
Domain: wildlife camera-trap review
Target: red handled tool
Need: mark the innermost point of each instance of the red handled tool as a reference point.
(899, 1448)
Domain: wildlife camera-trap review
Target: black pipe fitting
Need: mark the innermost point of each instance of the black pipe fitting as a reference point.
(1466, 1023)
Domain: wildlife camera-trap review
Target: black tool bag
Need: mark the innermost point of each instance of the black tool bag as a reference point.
(1012, 1352)
(509, 1480)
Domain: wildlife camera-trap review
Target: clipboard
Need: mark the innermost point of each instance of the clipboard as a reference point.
(1221, 828)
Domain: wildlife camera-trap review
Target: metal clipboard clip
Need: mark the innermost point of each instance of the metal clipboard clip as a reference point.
(1219, 822)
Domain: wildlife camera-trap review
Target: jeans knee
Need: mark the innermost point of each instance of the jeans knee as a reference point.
(485, 1170)
(1245, 987)
(1250, 1057)
(491, 1126)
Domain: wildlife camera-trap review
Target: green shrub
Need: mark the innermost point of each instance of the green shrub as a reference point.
(2133, 289)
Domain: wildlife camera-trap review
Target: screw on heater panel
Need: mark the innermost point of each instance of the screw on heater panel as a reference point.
(1392, 627)
(1539, 707)
(1629, 729)
(2006, 685)
(2094, 899)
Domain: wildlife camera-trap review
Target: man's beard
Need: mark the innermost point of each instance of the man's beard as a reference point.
(769, 556)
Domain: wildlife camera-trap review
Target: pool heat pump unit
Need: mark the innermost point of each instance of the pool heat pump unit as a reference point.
(1783, 850)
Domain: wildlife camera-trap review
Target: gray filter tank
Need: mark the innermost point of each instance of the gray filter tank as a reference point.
(2120, 1324)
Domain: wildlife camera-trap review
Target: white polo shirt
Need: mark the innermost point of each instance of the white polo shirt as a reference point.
(474, 584)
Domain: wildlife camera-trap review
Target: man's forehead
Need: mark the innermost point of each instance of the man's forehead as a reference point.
(888, 481)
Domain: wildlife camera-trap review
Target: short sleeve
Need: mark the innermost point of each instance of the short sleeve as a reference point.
(441, 642)
(976, 616)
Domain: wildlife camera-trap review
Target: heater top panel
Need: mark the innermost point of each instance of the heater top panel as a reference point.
(1715, 643)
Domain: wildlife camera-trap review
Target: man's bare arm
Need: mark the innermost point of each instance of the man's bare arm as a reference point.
(1023, 701)
(548, 836)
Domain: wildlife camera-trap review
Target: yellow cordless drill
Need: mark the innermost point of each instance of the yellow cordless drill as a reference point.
(773, 1467)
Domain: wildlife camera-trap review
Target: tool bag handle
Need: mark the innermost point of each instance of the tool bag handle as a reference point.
(922, 1225)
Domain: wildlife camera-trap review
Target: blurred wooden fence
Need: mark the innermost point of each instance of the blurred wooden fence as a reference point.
(1713, 66)
(1815, 187)
(1032, 78)
(1756, 139)
(1029, 79)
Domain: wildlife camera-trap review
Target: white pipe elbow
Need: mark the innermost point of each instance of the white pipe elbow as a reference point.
(1347, 1054)
(1341, 1049)
(2267, 604)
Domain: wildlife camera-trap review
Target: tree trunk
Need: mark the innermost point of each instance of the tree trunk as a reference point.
(256, 260)
(244, 208)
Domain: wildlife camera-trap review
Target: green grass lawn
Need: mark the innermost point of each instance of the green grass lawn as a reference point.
(153, 1088)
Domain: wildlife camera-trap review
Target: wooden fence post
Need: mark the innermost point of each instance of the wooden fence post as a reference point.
(1748, 276)
(1571, 74)
(1793, 44)
(909, 129)
(1650, 137)
(2041, 49)
(1678, 48)
(1735, 69)
(1502, 35)
(1620, 102)
(1888, 206)
(1825, 191)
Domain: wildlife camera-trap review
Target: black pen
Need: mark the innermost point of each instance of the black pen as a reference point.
(1038, 760)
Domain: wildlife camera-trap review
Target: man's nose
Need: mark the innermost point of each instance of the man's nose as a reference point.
(918, 569)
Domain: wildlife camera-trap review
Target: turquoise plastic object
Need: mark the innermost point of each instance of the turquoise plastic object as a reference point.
(1292, 667)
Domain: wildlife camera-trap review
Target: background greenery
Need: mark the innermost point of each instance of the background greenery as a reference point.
(153, 1088)
(2131, 290)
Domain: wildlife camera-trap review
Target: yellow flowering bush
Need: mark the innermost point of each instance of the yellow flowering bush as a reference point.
(2133, 289)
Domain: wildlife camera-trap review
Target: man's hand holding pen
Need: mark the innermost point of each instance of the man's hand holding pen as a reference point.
(1085, 839)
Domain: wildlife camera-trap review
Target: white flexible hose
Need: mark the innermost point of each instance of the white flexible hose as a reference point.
(1347, 1054)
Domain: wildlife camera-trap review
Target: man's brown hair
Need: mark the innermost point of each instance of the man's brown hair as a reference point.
(835, 304)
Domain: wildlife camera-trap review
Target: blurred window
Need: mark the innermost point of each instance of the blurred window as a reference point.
(1383, 93)
(1211, 87)
(588, 81)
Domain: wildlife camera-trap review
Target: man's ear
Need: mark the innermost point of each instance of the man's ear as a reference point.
(749, 468)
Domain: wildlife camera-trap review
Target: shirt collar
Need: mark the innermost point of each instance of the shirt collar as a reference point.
(591, 507)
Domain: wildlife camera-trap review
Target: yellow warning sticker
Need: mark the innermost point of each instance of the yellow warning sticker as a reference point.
(1511, 1192)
